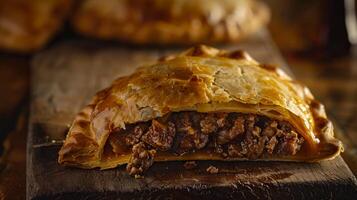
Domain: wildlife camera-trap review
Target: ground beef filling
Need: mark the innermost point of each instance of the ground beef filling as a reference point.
(231, 135)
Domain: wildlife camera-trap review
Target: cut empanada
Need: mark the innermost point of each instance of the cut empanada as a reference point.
(170, 21)
(203, 104)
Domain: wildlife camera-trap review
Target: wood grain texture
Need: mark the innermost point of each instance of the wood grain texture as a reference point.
(65, 77)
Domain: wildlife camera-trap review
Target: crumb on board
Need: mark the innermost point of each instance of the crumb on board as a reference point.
(212, 170)
(138, 176)
(190, 164)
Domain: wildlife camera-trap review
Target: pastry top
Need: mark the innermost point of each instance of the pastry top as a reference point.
(203, 79)
(170, 21)
(26, 25)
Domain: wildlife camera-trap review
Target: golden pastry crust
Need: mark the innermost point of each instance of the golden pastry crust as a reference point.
(170, 21)
(27, 25)
(201, 79)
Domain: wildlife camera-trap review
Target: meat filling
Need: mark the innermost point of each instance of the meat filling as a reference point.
(230, 135)
(141, 159)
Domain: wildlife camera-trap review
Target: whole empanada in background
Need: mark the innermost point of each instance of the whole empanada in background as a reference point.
(170, 21)
(27, 25)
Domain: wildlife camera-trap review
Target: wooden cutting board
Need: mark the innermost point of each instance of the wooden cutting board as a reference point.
(66, 76)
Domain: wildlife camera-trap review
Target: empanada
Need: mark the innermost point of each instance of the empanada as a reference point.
(203, 104)
(27, 25)
(170, 21)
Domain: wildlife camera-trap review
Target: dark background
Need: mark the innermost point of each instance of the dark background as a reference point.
(312, 36)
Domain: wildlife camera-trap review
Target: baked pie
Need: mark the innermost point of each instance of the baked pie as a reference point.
(202, 104)
(170, 21)
(27, 25)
